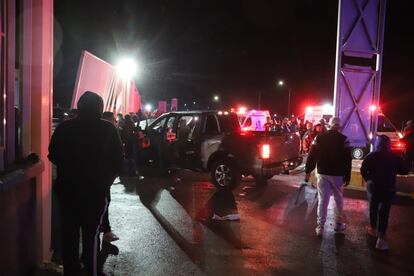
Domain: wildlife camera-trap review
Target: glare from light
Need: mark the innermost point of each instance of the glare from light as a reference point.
(327, 109)
(400, 135)
(148, 107)
(216, 98)
(280, 83)
(194, 102)
(127, 68)
(373, 107)
(242, 110)
(309, 109)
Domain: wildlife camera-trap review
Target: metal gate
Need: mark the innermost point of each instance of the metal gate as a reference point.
(358, 67)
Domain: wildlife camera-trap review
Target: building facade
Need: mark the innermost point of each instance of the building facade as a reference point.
(26, 81)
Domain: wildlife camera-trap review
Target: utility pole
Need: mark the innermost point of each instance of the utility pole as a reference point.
(260, 100)
(290, 90)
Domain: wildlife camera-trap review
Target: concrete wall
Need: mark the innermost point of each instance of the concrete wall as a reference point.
(18, 235)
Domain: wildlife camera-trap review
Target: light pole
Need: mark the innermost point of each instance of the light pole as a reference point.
(282, 83)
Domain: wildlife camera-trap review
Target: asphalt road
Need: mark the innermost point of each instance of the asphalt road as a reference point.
(169, 231)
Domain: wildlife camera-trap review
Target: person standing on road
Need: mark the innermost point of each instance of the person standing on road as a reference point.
(88, 154)
(331, 154)
(108, 235)
(408, 140)
(379, 169)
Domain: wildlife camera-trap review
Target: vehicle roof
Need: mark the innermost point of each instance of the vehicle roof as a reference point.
(192, 112)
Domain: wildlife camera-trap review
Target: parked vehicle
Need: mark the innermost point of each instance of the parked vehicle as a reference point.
(387, 128)
(255, 120)
(214, 141)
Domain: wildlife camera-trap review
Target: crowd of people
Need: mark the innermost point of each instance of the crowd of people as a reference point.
(306, 129)
(90, 153)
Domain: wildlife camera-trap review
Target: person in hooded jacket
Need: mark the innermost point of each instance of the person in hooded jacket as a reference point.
(87, 152)
(379, 170)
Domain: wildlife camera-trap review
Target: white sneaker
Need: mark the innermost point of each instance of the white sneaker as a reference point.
(226, 217)
(381, 244)
(340, 227)
(319, 231)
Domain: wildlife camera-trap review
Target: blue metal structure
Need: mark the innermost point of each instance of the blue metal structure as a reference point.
(358, 68)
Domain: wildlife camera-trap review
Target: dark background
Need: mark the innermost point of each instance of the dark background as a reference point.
(237, 49)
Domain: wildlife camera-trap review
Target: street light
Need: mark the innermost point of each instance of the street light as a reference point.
(282, 83)
(148, 107)
(216, 98)
(127, 68)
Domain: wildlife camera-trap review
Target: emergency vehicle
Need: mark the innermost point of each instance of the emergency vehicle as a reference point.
(318, 112)
(255, 120)
(384, 127)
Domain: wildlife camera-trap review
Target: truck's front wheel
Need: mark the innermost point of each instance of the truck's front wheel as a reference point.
(225, 174)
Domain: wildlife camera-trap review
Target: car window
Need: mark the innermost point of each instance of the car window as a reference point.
(229, 123)
(170, 122)
(159, 123)
(184, 127)
(248, 122)
(385, 125)
(211, 125)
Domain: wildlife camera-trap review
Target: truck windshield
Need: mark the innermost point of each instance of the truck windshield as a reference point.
(385, 125)
(229, 123)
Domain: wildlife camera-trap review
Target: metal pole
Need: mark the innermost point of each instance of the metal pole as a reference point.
(289, 102)
(260, 99)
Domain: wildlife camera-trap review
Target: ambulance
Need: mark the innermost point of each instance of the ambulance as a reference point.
(254, 120)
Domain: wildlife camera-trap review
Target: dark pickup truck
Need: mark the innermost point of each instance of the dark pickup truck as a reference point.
(213, 141)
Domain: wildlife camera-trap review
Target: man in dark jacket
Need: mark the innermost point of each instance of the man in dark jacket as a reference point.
(330, 152)
(88, 154)
(408, 140)
(379, 170)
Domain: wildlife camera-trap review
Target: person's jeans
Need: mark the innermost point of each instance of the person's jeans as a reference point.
(86, 215)
(379, 209)
(328, 185)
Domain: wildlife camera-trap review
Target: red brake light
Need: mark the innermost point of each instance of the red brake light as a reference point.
(265, 151)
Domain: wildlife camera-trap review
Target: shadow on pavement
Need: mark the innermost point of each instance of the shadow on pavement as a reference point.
(220, 205)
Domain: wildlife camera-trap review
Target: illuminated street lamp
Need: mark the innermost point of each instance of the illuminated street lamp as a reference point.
(216, 98)
(148, 107)
(127, 68)
(282, 83)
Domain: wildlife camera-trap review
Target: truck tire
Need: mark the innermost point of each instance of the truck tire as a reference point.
(225, 174)
(358, 153)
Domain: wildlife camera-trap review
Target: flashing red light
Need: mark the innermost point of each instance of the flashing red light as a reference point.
(265, 151)
(309, 109)
(242, 110)
(398, 146)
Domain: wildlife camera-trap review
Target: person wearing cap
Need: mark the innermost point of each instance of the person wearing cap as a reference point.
(379, 169)
(87, 152)
(331, 154)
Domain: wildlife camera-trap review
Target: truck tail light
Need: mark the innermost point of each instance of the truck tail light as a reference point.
(398, 146)
(265, 151)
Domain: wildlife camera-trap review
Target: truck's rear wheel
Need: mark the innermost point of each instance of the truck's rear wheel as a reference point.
(225, 174)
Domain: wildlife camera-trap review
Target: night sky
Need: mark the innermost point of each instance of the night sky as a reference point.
(236, 49)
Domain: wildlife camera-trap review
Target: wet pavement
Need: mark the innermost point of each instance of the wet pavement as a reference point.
(165, 227)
